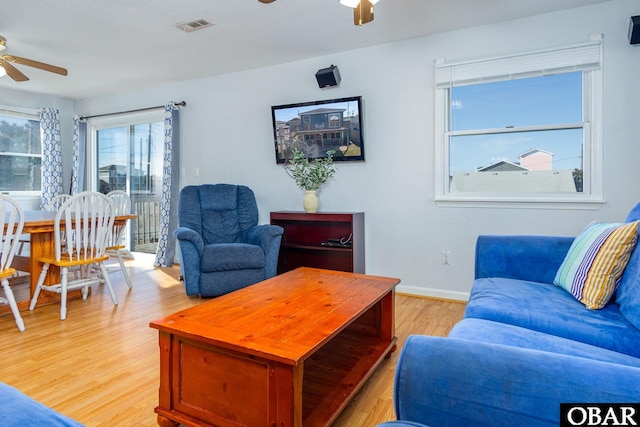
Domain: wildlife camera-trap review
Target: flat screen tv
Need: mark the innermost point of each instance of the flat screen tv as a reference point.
(317, 127)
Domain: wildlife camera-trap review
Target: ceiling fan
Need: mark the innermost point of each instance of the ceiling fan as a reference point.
(6, 62)
(362, 9)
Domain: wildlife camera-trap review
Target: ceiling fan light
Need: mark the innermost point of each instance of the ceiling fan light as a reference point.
(374, 1)
(3, 72)
(3, 44)
(363, 13)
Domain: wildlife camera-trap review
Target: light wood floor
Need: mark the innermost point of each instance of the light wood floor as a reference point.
(100, 366)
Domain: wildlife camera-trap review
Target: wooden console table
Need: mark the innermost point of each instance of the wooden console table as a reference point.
(306, 238)
(288, 351)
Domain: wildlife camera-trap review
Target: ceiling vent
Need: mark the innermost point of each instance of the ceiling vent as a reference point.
(196, 24)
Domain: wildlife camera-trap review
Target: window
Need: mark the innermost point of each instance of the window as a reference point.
(129, 158)
(519, 129)
(20, 152)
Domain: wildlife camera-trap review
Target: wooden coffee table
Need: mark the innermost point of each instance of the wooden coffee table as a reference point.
(289, 351)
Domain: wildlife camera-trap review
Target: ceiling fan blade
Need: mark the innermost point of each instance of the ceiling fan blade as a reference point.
(37, 64)
(266, 1)
(12, 71)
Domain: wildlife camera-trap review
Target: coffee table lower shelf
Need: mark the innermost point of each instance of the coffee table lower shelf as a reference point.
(334, 374)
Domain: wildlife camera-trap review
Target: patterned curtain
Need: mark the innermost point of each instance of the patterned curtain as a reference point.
(165, 253)
(79, 154)
(51, 155)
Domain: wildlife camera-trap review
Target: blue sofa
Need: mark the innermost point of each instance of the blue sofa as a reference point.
(524, 346)
(19, 410)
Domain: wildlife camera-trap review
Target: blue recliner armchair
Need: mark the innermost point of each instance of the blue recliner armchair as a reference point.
(222, 247)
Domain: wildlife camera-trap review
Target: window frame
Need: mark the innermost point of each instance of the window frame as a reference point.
(94, 125)
(529, 64)
(29, 114)
(100, 123)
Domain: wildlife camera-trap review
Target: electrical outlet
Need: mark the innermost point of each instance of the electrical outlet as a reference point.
(445, 257)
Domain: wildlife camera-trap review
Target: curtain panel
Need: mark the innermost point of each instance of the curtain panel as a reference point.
(79, 154)
(51, 155)
(165, 254)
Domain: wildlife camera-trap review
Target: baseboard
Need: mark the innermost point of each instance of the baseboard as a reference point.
(434, 293)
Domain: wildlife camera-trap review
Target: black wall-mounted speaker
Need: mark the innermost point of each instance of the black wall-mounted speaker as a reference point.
(328, 77)
(634, 30)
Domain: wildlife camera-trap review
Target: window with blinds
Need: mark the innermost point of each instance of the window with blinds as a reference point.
(521, 128)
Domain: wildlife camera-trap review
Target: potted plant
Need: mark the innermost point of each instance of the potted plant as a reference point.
(310, 175)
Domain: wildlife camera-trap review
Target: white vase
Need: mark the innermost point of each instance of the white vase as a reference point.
(310, 201)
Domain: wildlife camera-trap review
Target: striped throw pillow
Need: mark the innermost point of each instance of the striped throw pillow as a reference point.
(595, 262)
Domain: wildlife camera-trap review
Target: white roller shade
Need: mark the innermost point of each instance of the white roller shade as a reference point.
(580, 57)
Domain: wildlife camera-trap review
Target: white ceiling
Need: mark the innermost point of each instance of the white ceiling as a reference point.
(114, 45)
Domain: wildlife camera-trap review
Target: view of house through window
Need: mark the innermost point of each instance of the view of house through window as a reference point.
(20, 153)
(521, 135)
(523, 127)
(129, 158)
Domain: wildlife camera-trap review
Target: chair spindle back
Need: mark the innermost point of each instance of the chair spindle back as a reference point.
(82, 226)
(13, 220)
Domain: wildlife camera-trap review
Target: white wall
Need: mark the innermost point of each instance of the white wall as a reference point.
(226, 135)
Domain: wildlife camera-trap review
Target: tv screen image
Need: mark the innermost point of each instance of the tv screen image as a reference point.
(317, 127)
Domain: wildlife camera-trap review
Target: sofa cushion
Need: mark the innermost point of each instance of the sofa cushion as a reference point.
(501, 333)
(231, 256)
(628, 294)
(549, 309)
(595, 262)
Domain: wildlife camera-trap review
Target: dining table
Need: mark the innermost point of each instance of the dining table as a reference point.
(39, 224)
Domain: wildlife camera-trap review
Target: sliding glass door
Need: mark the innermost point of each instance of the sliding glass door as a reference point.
(127, 155)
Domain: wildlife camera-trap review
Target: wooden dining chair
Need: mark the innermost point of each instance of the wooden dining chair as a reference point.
(82, 227)
(122, 206)
(52, 206)
(13, 221)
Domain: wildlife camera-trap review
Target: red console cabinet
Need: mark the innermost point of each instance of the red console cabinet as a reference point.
(330, 240)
